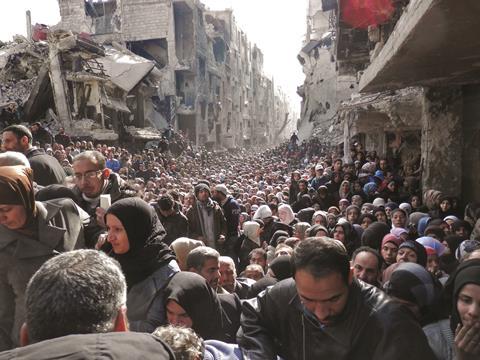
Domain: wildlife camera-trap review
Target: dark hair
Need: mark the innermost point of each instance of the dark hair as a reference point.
(184, 342)
(19, 131)
(165, 202)
(371, 251)
(321, 257)
(94, 156)
(197, 257)
(77, 292)
(258, 251)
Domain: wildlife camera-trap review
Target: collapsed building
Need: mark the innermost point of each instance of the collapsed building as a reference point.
(126, 69)
(413, 86)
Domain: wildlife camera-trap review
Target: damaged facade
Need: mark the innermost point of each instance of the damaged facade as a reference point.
(127, 69)
(414, 87)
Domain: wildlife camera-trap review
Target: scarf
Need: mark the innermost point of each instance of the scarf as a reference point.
(197, 298)
(145, 233)
(466, 273)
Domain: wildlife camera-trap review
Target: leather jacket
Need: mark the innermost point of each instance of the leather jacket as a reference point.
(372, 326)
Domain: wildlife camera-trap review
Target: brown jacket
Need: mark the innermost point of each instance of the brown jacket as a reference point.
(195, 226)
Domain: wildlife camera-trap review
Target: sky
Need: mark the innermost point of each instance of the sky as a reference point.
(277, 27)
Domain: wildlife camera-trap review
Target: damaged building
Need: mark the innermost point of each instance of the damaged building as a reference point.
(127, 69)
(414, 85)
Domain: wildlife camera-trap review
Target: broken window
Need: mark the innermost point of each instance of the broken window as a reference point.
(155, 50)
(202, 67)
(102, 13)
(184, 32)
(219, 50)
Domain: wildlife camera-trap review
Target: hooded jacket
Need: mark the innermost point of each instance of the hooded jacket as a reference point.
(371, 326)
(195, 223)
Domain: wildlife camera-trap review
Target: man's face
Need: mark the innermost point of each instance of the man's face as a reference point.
(227, 276)
(258, 259)
(325, 297)
(301, 186)
(88, 177)
(211, 272)
(365, 267)
(203, 195)
(216, 195)
(10, 142)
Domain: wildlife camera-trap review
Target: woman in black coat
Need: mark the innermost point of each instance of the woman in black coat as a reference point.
(136, 237)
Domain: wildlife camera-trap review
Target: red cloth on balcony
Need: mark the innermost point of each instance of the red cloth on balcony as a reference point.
(364, 13)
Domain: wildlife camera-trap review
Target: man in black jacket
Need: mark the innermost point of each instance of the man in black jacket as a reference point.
(172, 219)
(46, 169)
(231, 211)
(323, 313)
(92, 178)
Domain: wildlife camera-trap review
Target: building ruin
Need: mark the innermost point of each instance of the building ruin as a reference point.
(127, 69)
(412, 87)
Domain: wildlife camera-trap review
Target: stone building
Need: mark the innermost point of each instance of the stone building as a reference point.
(416, 87)
(210, 81)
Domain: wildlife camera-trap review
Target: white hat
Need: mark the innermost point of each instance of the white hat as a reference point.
(262, 212)
(378, 202)
(318, 167)
(222, 189)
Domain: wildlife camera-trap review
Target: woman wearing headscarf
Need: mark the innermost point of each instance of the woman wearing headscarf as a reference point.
(182, 247)
(408, 251)
(346, 234)
(345, 192)
(414, 286)
(31, 232)
(191, 302)
(251, 240)
(135, 235)
(458, 337)
(323, 198)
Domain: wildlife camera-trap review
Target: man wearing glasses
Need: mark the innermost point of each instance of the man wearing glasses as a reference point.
(92, 178)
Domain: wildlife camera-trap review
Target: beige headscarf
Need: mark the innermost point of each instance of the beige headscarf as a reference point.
(182, 247)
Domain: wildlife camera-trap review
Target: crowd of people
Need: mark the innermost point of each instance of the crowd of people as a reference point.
(288, 253)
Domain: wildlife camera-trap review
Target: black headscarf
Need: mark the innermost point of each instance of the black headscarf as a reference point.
(274, 240)
(467, 272)
(374, 234)
(351, 241)
(197, 298)
(282, 267)
(419, 250)
(145, 233)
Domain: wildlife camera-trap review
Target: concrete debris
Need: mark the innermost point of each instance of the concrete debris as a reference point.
(121, 72)
(125, 70)
(16, 91)
(145, 134)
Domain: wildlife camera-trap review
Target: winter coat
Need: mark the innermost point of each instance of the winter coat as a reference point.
(59, 229)
(371, 326)
(175, 225)
(145, 303)
(46, 169)
(103, 346)
(195, 227)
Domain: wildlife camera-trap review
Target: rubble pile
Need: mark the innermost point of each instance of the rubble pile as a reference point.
(16, 91)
